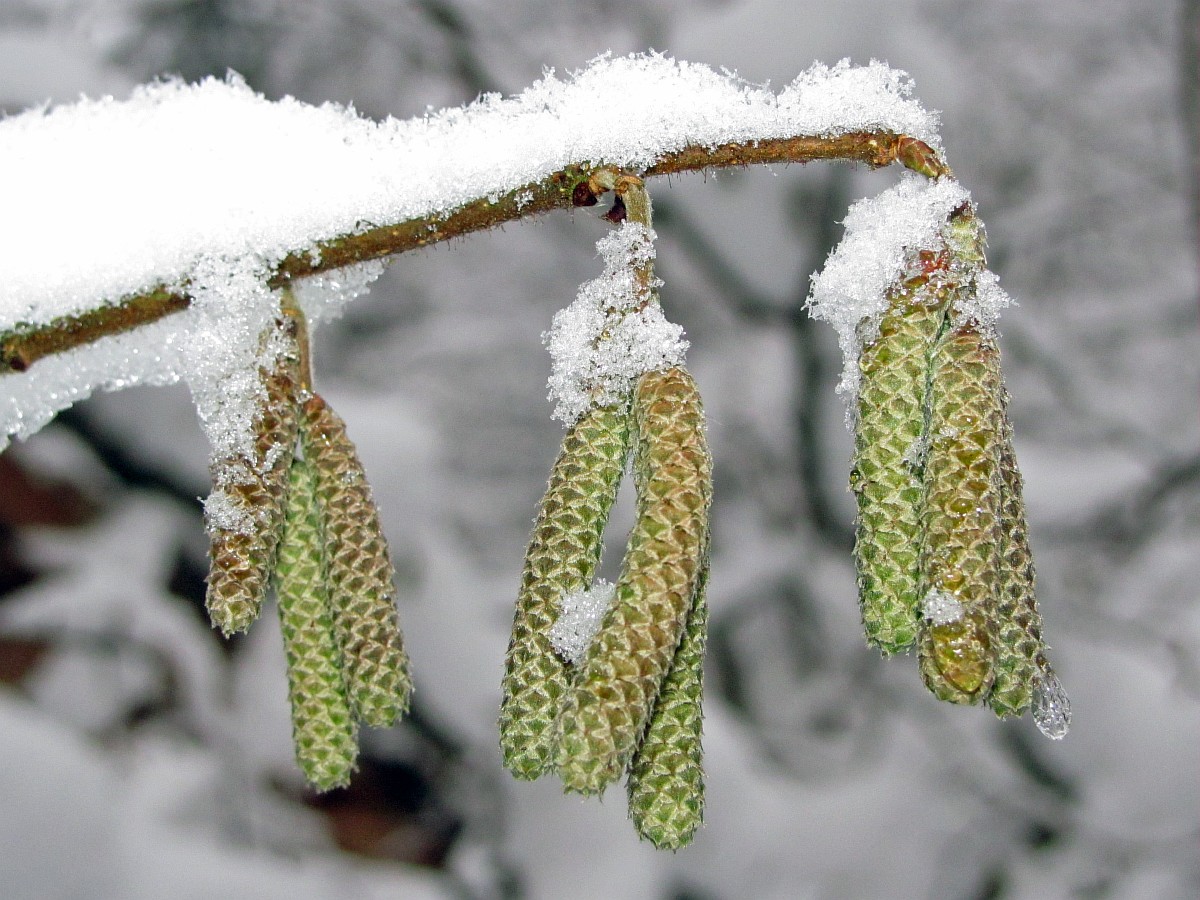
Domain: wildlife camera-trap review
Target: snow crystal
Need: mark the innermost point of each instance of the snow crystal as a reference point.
(204, 188)
(882, 234)
(225, 513)
(982, 305)
(324, 296)
(1051, 705)
(602, 342)
(579, 615)
(941, 608)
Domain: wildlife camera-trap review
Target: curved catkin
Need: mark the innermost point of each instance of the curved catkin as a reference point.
(563, 554)
(1019, 624)
(360, 572)
(244, 515)
(611, 697)
(666, 777)
(960, 557)
(885, 478)
(323, 727)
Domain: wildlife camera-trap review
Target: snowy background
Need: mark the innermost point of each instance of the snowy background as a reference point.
(142, 757)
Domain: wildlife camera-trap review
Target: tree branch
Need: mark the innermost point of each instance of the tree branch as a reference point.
(25, 344)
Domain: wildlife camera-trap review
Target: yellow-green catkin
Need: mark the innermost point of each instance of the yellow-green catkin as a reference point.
(1019, 625)
(888, 455)
(323, 728)
(245, 514)
(362, 593)
(563, 554)
(613, 693)
(961, 553)
(666, 777)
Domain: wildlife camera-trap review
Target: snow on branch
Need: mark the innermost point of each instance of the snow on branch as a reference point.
(148, 233)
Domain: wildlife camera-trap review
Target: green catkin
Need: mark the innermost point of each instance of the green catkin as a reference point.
(961, 553)
(244, 530)
(1019, 623)
(885, 478)
(666, 777)
(613, 693)
(323, 727)
(360, 572)
(563, 554)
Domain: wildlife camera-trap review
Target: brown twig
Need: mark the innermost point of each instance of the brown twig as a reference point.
(23, 345)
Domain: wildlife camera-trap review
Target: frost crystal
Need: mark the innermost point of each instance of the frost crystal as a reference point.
(579, 615)
(941, 608)
(1051, 705)
(610, 334)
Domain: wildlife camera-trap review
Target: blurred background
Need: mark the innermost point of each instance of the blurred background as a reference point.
(142, 757)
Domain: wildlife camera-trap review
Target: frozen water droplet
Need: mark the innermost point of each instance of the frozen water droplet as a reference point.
(1051, 706)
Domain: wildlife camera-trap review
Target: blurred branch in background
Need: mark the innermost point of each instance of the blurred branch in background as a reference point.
(1063, 117)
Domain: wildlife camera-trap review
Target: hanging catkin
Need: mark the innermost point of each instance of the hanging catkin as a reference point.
(1019, 631)
(666, 776)
(563, 554)
(362, 594)
(245, 514)
(613, 693)
(323, 729)
(888, 437)
(961, 555)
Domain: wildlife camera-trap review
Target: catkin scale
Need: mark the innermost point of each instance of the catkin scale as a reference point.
(960, 556)
(666, 777)
(612, 694)
(563, 554)
(324, 732)
(885, 478)
(242, 553)
(361, 591)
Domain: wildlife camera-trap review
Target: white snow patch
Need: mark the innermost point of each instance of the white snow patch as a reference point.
(206, 187)
(602, 342)
(941, 608)
(580, 613)
(882, 234)
(982, 305)
(223, 512)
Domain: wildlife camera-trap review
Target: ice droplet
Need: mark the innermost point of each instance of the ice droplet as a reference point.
(1051, 705)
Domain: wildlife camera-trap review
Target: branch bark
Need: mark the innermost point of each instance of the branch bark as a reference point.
(22, 346)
